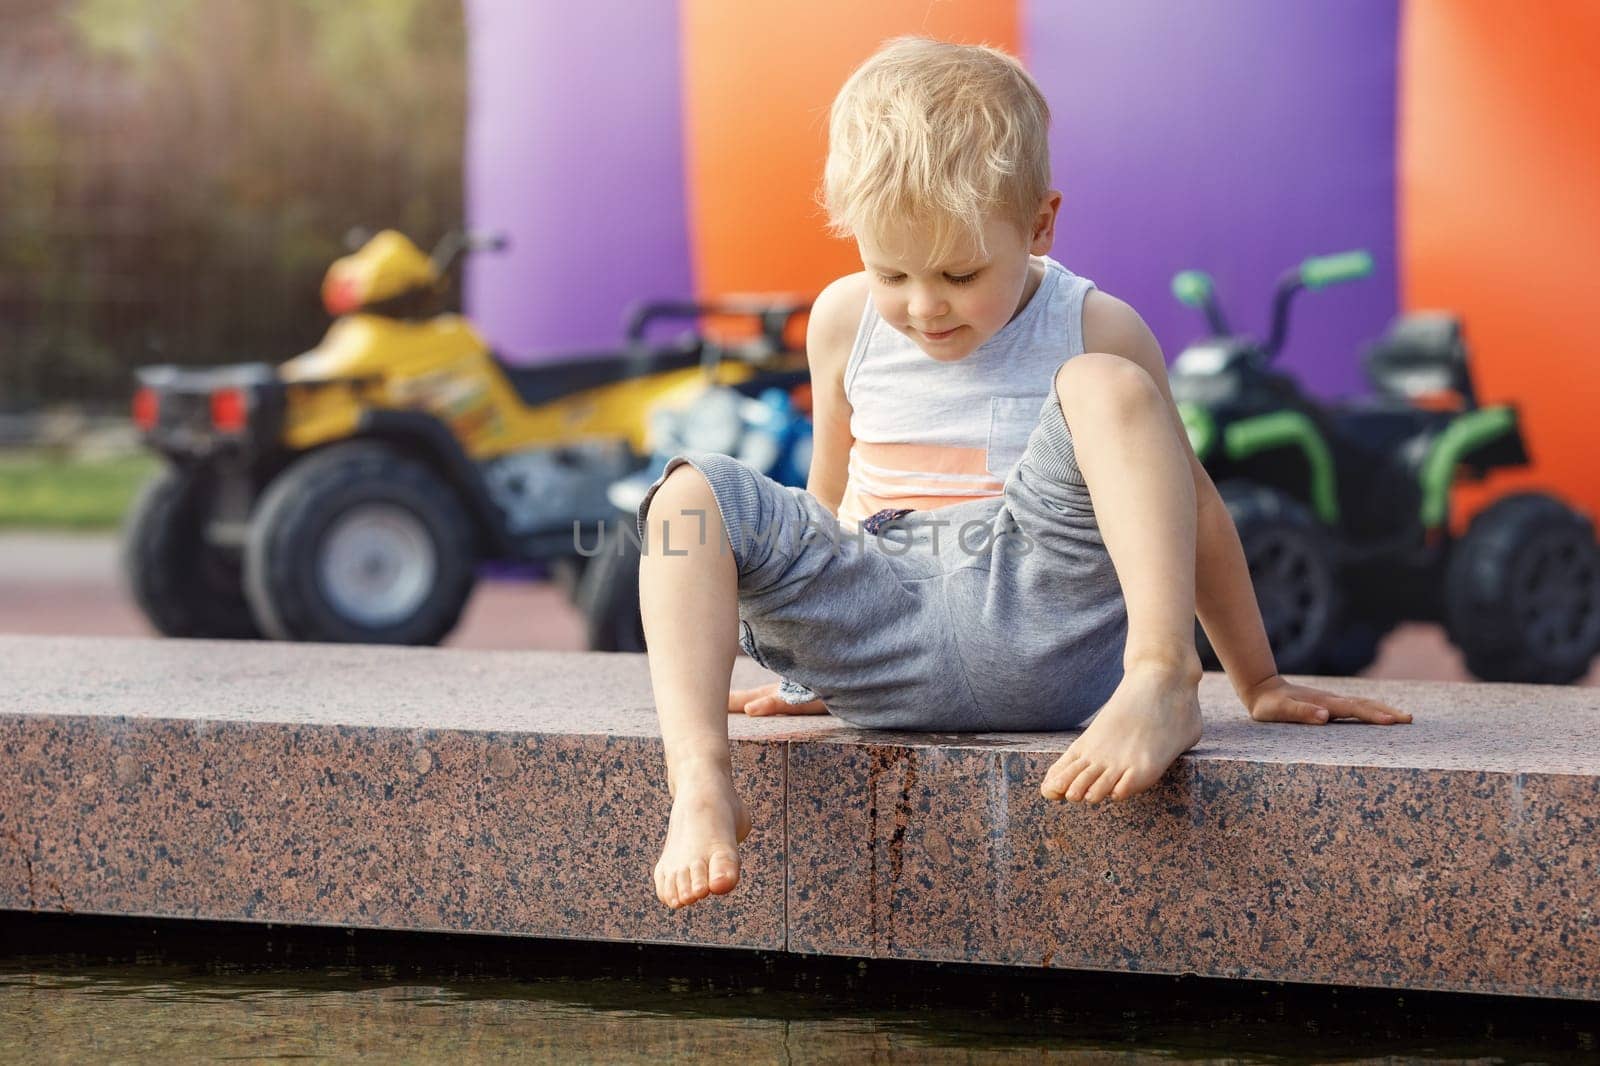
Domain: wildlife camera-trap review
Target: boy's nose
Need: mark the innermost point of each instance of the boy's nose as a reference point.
(926, 306)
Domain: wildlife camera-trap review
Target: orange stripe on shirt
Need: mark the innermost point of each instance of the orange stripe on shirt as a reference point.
(923, 477)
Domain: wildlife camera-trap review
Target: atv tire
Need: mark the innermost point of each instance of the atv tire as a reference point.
(1293, 572)
(566, 574)
(1352, 649)
(1522, 592)
(608, 595)
(359, 544)
(185, 586)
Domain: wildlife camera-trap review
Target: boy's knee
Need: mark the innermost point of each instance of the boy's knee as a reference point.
(1105, 386)
(685, 489)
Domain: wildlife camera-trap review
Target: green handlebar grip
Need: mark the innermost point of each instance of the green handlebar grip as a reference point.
(1192, 287)
(1324, 270)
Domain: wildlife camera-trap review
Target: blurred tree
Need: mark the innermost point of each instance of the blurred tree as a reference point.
(175, 175)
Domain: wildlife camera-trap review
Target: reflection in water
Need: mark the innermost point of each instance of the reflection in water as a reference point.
(53, 1017)
(93, 990)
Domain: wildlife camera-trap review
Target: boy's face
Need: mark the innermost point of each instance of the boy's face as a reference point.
(950, 308)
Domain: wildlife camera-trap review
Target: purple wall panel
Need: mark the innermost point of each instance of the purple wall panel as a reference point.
(1236, 136)
(575, 149)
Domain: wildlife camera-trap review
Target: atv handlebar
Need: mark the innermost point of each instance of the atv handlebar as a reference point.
(1324, 270)
(1317, 272)
(454, 246)
(1194, 288)
(774, 317)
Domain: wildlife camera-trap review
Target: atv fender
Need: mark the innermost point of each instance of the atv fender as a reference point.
(1473, 432)
(1290, 429)
(430, 440)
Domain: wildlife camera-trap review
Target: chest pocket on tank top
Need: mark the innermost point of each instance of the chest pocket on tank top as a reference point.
(1011, 422)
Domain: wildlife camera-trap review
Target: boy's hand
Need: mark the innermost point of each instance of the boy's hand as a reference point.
(1277, 700)
(763, 701)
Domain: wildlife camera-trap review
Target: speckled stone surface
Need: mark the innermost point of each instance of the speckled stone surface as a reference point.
(1342, 874)
(387, 788)
(522, 792)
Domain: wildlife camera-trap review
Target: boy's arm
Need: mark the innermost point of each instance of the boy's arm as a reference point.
(1224, 597)
(830, 335)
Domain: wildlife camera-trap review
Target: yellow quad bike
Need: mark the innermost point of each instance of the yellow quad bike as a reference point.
(351, 493)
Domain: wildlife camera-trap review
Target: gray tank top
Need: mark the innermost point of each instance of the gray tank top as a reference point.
(930, 433)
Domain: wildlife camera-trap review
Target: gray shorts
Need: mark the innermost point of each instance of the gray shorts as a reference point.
(995, 614)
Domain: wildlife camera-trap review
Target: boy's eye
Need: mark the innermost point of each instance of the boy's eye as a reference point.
(954, 279)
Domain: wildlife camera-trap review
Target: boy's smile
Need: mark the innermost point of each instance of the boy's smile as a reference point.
(949, 309)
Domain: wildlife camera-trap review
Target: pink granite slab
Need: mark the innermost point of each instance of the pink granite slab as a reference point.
(1456, 853)
(1380, 876)
(443, 830)
(522, 792)
(379, 787)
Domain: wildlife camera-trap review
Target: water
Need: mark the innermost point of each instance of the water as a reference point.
(78, 990)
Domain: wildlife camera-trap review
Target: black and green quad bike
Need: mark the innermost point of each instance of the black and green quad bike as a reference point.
(1344, 508)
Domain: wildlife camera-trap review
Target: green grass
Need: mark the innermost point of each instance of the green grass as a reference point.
(40, 490)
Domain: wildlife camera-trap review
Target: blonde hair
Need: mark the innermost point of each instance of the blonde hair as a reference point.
(935, 134)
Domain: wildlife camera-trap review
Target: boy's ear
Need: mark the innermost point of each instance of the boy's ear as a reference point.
(1043, 237)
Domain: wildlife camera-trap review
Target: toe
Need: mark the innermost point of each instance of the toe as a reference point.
(698, 881)
(1137, 779)
(1059, 776)
(724, 871)
(661, 887)
(1080, 784)
(684, 886)
(1124, 787)
(1103, 785)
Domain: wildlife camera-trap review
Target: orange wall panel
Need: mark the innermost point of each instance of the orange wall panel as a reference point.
(759, 76)
(1500, 216)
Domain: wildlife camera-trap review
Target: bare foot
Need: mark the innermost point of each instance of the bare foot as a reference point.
(1152, 718)
(701, 853)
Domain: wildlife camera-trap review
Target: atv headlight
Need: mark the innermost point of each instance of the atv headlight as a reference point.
(759, 450)
(663, 431)
(714, 424)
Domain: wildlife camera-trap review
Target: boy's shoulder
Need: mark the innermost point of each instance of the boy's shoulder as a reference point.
(837, 309)
(1112, 325)
(835, 318)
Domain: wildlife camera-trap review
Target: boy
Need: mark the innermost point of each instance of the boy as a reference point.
(1023, 535)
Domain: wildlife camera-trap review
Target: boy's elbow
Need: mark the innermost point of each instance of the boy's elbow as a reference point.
(827, 495)
(1206, 496)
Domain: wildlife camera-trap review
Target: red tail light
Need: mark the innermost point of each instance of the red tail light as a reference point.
(340, 295)
(230, 411)
(146, 409)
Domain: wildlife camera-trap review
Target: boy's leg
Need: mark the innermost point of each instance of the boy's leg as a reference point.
(689, 599)
(1142, 490)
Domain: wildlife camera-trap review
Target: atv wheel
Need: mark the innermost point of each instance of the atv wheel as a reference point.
(1522, 592)
(566, 574)
(359, 544)
(608, 595)
(1352, 649)
(1292, 570)
(185, 586)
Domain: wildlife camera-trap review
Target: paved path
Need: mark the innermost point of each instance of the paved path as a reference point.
(67, 584)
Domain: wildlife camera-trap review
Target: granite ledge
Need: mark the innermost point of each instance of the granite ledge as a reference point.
(492, 791)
